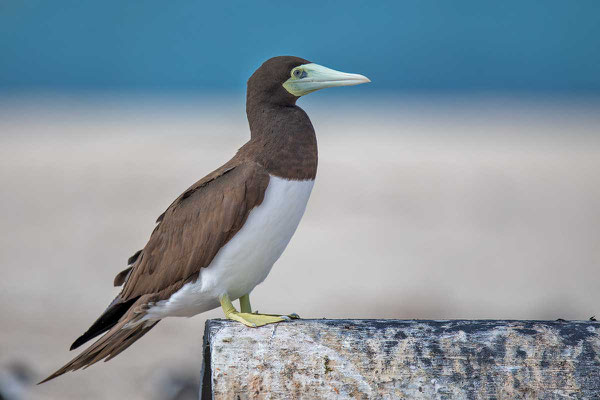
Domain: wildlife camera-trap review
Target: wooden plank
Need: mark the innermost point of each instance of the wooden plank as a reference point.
(397, 359)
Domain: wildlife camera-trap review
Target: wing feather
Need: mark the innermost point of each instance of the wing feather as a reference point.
(194, 227)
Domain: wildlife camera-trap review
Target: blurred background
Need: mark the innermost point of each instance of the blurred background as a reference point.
(463, 182)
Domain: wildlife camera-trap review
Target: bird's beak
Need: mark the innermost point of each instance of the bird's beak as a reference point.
(310, 77)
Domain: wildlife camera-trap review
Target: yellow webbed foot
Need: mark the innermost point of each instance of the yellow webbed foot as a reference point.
(255, 320)
(247, 317)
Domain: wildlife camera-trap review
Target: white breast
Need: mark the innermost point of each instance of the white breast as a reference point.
(245, 261)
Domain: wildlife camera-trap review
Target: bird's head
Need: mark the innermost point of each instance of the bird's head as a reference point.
(284, 79)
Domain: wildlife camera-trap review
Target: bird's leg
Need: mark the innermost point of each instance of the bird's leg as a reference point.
(250, 319)
(245, 304)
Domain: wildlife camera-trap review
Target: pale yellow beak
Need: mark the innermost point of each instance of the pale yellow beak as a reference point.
(310, 77)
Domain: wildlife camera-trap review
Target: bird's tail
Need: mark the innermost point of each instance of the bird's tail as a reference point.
(117, 339)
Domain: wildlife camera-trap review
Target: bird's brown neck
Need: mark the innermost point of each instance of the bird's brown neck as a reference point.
(282, 140)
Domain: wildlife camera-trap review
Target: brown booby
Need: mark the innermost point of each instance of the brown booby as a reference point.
(220, 238)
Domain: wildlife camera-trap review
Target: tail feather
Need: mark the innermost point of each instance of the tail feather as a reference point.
(107, 320)
(117, 339)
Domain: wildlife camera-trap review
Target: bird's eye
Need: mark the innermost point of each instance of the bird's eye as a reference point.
(297, 73)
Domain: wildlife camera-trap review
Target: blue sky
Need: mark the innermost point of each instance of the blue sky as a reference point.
(422, 45)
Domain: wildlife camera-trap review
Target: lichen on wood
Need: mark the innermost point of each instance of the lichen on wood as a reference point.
(398, 359)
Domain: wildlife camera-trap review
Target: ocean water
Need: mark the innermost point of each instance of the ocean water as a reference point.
(424, 207)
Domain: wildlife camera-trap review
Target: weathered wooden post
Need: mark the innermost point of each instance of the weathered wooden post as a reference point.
(396, 359)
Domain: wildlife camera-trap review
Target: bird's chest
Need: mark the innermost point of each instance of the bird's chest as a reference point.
(247, 258)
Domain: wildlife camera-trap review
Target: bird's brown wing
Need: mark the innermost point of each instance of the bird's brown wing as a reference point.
(188, 236)
(193, 229)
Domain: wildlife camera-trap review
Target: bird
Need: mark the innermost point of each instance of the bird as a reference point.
(220, 238)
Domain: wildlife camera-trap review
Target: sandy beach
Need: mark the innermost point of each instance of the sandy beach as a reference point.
(433, 208)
